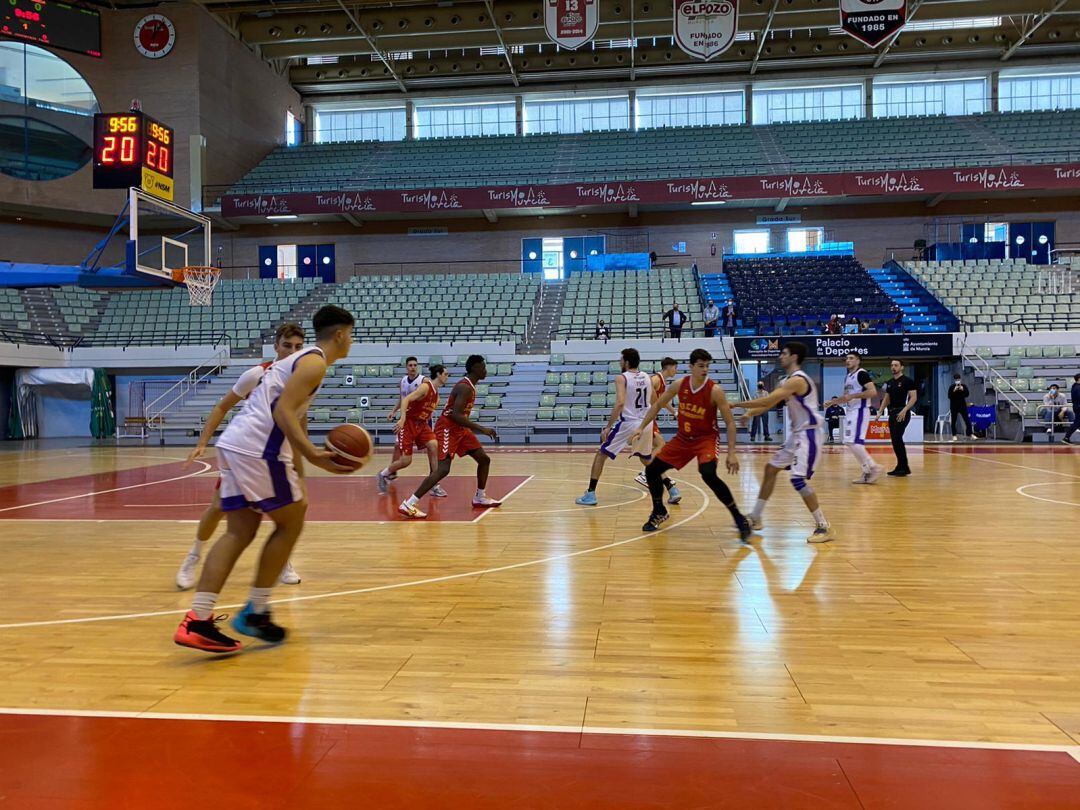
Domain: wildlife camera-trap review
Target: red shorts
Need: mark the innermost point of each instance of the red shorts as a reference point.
(455, 440)
(415, 434)
(680, 451)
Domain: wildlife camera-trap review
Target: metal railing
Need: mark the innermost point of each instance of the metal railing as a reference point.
(21, 337)
(155, 410)
(1003, 388)
(162, 337)
(436, 334)
(618, 332)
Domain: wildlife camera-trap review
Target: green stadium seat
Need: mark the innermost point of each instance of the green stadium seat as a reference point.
(545, 414)
(547, 400)
(566, 390)
(562, 413)
(551, 379)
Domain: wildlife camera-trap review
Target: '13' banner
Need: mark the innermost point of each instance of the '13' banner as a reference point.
(571, 23)
(872, 21)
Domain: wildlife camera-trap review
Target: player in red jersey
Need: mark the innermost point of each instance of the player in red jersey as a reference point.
(413, 426)
(698, 437)
(668, 367)
(288, 339)
(456, 434)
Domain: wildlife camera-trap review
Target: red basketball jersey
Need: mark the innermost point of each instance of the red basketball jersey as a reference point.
(450, 401)
(697, 411)
(662, 387)
(422, 409)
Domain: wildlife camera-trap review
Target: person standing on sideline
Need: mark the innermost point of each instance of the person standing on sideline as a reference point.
(676, 319)
(288, 340)
(1075, 426)
(760, 423)
(802, 444)
(730, 318)
(958, 406)
(712, 318)
(859, 389)
(259, 456)
(899, 400)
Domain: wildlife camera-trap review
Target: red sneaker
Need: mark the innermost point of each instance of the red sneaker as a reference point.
(202, 634)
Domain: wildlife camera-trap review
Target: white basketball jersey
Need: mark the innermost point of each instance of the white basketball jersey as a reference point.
(253, 432)
(639, 393)
(408, 386)
(803, 412)
(854, 387)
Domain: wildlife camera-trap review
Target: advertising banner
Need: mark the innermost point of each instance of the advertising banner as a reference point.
(836, 347)
(571, 23)
(706, 28)
(872, 21)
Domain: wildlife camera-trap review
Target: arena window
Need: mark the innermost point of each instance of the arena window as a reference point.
(752, 241)
(569, 116)
(825, 103)
(690, 109)
(45, 109)
(964, 96)
(465, 120)
(1029, 92)
(375, 124)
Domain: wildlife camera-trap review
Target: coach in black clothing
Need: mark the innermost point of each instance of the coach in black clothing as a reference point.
(958, 405)
(676, 319)
(900, 395)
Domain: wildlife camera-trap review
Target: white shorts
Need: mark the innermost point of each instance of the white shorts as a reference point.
(248, 482)
(619, 439)
(855, 426)
(799, 453)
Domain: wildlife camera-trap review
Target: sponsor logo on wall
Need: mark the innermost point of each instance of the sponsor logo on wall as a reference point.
(872, 21)
(571, 23)
(836, 347)
(706, 28)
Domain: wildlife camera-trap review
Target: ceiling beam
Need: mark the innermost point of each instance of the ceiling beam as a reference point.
(502, 43)
(915, 6)
(1035, 24)
(374, 48)
(782, 205)
(352, 220)
(937, 199)
(632, 210)
(490, 215)
(763, 36)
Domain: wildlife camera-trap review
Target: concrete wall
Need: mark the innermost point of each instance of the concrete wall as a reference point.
(210, 85)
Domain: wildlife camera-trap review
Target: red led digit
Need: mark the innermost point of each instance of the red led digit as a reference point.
(163, 159)
(127, 149)
(108, 151)
(151, 154)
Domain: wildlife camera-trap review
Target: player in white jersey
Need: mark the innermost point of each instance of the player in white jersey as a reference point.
(634, 395)
(859, 389)
(412, 380)
(289, 338)
(259, 454)
(801, 450)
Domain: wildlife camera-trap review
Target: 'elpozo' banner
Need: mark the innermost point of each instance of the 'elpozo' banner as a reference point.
(872, 21)
(706, 28)
(571, 23)
(837, 347)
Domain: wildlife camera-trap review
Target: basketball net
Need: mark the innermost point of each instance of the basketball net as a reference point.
(201, 283)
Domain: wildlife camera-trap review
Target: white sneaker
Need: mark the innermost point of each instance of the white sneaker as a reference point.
(289, 575)
(486, 502)
(954, 439)
(974, 437)
(437, 492)
(821, 535)
(874, 474)
(188, 573)
(411, 511)
(755, 523)
(1049, 430)
(641, 479)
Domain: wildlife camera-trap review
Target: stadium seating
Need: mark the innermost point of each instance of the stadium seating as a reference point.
(79, 307)
(633, 302)
(490, 306)
(797, 294)
(826, 146)
(13, 314)
(995, 296)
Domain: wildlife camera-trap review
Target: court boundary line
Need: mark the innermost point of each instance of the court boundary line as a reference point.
(389, 587)
(758, 736)
(488, 510)
(973, 457)
(1020, 491)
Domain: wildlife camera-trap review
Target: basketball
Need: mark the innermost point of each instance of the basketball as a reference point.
(352, 445)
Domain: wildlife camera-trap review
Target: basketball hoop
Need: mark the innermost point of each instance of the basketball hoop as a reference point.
(201, 282)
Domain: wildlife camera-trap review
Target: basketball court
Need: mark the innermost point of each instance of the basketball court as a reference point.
(553, 654)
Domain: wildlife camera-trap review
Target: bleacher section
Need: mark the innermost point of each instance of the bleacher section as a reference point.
(241, 310)
(1018, 377)
(995, 296)
(922, 312)
(992, 139)
(79, 307)
(13, 314)
(633, 302)
(794, 294)
(492, 306)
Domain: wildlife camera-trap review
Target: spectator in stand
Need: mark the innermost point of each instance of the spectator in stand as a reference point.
(958, 406)
(864, 327)
(760, 423)
(731, 318)
(898, 323)
(603, 331)
(712, 318)
(1055, 408)
(1075, 426)
(676, 320)
(833, 327)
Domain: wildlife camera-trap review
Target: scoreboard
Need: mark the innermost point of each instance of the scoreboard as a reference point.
(132, 149)
(50, 22)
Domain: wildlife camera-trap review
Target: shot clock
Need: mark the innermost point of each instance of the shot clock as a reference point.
(132, 149)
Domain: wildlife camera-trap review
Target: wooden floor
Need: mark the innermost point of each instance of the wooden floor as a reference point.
(948, 610)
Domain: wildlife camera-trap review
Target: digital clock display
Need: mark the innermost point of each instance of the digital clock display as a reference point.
(132, 149)
(60, 25)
